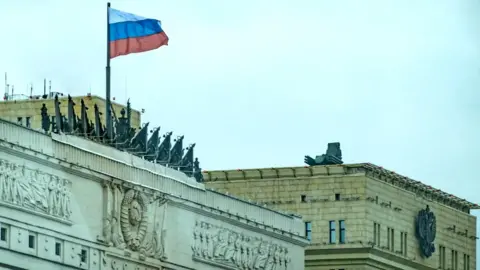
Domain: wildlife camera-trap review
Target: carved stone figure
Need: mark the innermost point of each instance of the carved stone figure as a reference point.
(236, 251)
(426, 228)
(34, 190)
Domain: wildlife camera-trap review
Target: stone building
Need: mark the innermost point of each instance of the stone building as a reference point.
(68, 202)
(26, 111)
(362, 216)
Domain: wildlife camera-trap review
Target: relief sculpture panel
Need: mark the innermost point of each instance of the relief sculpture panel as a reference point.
(135, 221)
(35, 191)
(231, 250)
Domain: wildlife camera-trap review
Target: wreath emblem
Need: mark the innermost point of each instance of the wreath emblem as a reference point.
(426, 228)
(133, 218)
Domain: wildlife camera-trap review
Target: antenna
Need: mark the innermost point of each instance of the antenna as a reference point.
(13, 88)
(6, 87)
(50, 88)
(44, 87)
(31, 90)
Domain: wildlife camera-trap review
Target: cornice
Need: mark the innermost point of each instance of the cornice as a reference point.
(241, 222)
(85, 173)
(367, 169)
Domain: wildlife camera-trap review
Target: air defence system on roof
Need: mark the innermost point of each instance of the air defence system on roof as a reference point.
(333, 156)
(124, 137)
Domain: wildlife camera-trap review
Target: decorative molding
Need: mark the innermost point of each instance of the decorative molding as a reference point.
(70, 167)
(225, 248)
(82, 172)
(134, 221)
(35, 192)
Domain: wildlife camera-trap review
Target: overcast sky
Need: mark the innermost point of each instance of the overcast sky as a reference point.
(262, 83)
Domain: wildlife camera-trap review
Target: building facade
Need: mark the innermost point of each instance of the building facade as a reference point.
(67, 202)
(361, 216)
(26, 111)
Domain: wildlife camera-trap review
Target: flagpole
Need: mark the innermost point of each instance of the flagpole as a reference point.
(108, 114)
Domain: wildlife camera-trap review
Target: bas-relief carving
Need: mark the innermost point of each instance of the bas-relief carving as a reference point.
(135, 221)
(226, 248)
(34, 190)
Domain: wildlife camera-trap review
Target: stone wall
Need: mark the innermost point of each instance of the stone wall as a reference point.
(11, 110)
(394, 208)
(71, 202)
(361, 198)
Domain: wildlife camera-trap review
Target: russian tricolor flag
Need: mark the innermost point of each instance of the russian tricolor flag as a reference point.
(131, 33)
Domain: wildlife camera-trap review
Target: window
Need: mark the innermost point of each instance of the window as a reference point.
(401, 243)
(342, 231)
(20, 120)
(304, 198)
(31, 241)
(3, 234)
(392, 247)
(454, 260)
(466, 262)
(308, 230)
(337, 196)
(390, 239)
(376, 233)
(58, 248)
(332, 232)
(405, 244)
(442, 258)
(83, 256)
(27, 122)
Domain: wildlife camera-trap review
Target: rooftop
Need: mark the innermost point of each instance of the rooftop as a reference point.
(331, 164)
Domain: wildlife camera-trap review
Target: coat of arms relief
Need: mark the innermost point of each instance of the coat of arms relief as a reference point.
(35, 191)
(134, 221)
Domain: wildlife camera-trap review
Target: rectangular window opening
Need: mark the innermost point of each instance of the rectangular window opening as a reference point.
(332, 237)
(20, 120)
(389, 241)
(58, 248)
(401, 243)
(308, 230)
(337, 196)
(375, 240)
(27, 122)
(31, 241)
(3, 234)
(342, 231)
(304, 198)
(83, 256)
(392, 247)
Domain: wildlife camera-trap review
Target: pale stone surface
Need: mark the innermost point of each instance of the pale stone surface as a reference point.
(360, 195)
(30, 108)
(69, 203)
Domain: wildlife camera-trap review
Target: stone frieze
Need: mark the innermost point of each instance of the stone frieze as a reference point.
(232, 250)
(34, 191)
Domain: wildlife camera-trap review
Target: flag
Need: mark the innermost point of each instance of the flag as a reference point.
(131, 33)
